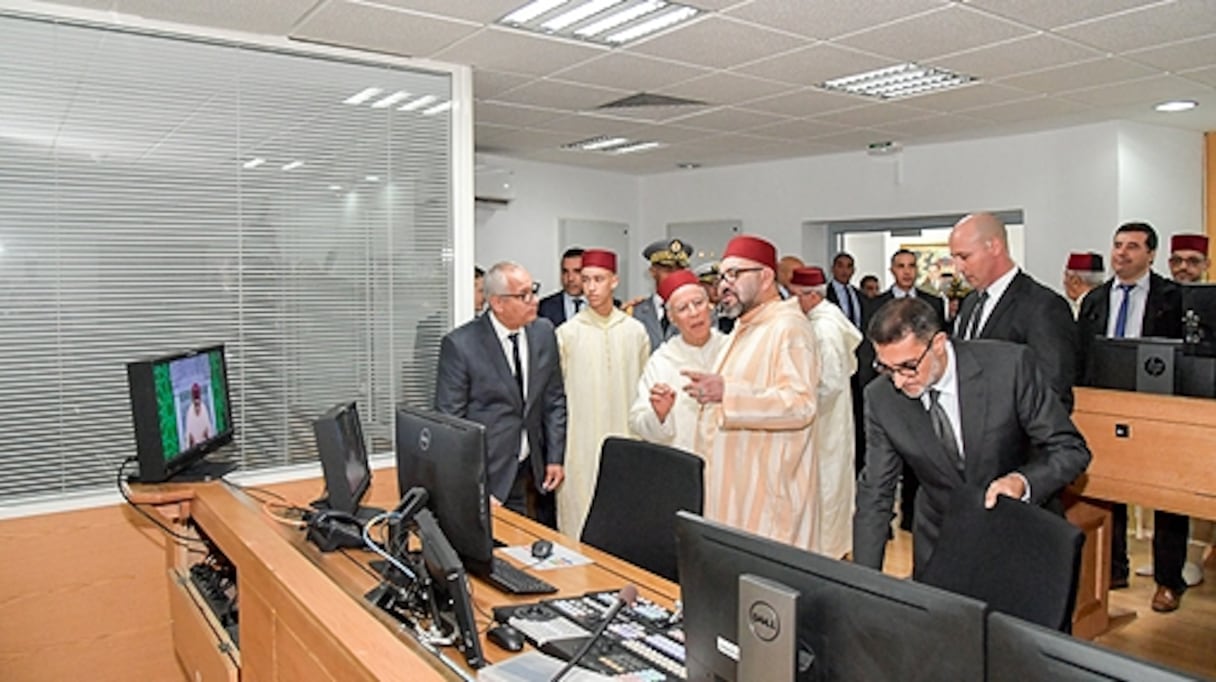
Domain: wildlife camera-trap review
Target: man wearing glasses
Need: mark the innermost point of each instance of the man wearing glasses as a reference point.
(758, 405)
(960, 413)
(502, 370)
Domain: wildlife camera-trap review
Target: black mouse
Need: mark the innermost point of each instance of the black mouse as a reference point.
(506, 637)
(541, 549)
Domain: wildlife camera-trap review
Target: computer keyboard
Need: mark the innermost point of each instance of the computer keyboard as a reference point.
(510, 579)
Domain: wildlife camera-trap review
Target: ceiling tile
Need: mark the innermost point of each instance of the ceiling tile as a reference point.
(797, 128)
(651, 114)
(375, 28)
(1017, 56)
(816, 64)
(520, 139)
(857, 138)
(1148, 26)
(806, 102)
(557, 94)
(725, 88)
(511, 114)
(716, 42)
(500, 49)
(933, 126)
(630, 72)
(1081, 75)
(872, 115)
(1147, 90)
(487, 84)
(1190, 54)
(968, 97)
(1206, 75)
(1048, 14)
(1028, 109)
(828, 18)
(669, 133)
(933, 34)
(481, 11)
(729, 119)
(587, 125)
(256, 17)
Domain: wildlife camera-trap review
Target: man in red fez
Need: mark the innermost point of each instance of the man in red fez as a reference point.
(1189, 257)
(603, 351)
(758, 405)
(1082, 273)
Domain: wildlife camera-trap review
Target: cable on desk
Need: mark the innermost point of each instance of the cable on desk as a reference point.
(362, 566)
(122, 488)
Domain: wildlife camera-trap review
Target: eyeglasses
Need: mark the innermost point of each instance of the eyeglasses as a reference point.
(733, 273)
(526, 296)
(1193, 261)
(908, 368)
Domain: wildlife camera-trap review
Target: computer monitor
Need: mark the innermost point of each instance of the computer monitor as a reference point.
(343, 454)
(852, 623)
(181, 411)
(1152, 365)
(445, 455)
(1019, 652)
(451, 599)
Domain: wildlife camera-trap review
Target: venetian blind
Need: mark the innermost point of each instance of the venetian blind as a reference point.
(137, 220)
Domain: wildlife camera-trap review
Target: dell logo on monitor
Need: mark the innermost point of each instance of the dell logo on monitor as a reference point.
(424, 439)
(763, 621)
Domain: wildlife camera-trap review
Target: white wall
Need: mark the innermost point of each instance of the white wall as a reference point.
(1160, 182)
(526, 230)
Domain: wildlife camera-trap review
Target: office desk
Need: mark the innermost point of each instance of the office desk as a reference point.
(1153, 450)
(302, 612)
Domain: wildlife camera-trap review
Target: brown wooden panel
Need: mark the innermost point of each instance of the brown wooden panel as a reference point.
(257, 636)
(1090, 617)
(195, 639)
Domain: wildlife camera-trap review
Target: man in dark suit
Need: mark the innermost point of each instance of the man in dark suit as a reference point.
(486, 368)
(846, 296)
(960, 413)
(1137, 302)
(566, 303)
(1006, 304)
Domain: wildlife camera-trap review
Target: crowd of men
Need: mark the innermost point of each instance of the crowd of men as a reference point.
(813, 402)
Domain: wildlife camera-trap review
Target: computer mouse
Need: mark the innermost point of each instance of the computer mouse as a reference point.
(506, 637)
(541, 549)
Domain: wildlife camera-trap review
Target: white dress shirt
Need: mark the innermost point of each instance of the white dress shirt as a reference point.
(568, 304)
(1135, 307)
(994, 291)
(947, 388)
(504, 340)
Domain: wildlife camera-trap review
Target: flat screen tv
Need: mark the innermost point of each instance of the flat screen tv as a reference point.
(181, 410)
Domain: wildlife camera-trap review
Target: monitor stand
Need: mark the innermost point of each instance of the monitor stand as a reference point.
(364, 514)
(201, 471)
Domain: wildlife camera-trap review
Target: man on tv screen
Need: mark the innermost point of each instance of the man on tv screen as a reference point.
(198, 420)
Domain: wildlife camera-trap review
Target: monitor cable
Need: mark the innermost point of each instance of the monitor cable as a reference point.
(122, 488)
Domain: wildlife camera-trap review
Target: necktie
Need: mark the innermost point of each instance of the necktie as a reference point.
(578, 305)
(846, 305)
(941, 424)
(1121, 317)
(665, 324)
(974, 328)
(519, 377)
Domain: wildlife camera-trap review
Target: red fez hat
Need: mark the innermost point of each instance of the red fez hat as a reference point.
(751, 248)
(1085, 262)
(1189, 242)
(599, 258)
(674, 281)
(808, 277)
(195, 392)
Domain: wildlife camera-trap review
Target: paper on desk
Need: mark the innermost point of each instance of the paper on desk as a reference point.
(562, 557)
(534, 666)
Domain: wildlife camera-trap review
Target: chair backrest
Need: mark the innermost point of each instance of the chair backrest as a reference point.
(1021, 559)
(640, 488)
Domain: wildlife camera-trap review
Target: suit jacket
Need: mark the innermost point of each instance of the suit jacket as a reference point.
(1033, 315)
(553, 309)
(475, 381)
(865, 352)
(1011, 421)
(1162, 318)
(858, 298)
(645, 313)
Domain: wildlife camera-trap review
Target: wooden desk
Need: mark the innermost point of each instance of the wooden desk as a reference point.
(302, 612)
(1152, 450)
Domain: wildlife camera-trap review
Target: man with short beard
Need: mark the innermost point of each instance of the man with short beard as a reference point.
(758, 405)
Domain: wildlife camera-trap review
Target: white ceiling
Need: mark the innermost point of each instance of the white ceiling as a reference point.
(1041, 64)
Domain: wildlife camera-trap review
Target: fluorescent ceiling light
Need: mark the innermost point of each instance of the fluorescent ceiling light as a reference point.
(253, 163)
(674, 16)
(531, 10)
(636, 147)
(617, 18)
(391, 100)
(902, 80)
(597, 143)
(362, 96)
(1176, 105)
(437, 109)
(418, 103)
(293, 165)
(579, 13)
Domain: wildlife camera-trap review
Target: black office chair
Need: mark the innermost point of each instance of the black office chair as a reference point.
(1021, 559)
(640, 488)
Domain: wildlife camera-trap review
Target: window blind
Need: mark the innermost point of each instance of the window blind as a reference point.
(161, 192)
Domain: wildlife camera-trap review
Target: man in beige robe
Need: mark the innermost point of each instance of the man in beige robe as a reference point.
(603, 351)
(837, 340)
(758, 405)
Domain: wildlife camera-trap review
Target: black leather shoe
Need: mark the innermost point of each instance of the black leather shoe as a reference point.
(1118, 582)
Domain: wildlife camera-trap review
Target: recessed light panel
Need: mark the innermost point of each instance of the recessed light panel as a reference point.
(897, 82)
(611, 145)
(1174, 106)
(608, 22)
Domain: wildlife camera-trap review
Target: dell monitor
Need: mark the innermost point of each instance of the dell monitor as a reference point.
(451, 599)
(1023, 652)
(852, 623)
(181, 411)
(343, 454)
(445, 455)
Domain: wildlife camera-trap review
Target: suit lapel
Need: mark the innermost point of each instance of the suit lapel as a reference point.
(494, 351)
(1008, 301)
(965, 309)
(533, 365)
(972, 406)
(916, 418)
